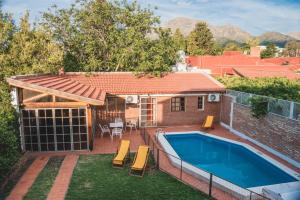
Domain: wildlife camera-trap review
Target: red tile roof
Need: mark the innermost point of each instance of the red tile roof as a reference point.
(266, 71)
(92, 88)
(283, 60)
(128, 83)
(60, 86)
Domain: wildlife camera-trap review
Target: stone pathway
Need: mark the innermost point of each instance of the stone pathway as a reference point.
(28, 178)
(63, 178)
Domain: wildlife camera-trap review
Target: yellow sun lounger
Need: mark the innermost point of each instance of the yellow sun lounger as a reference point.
(122, 154)
(140, 161)
(208, 123)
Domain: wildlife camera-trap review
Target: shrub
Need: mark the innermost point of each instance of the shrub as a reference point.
(281, 88)
(259, 106)
(9, 144)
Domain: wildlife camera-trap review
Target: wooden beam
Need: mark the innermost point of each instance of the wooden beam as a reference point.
(35, 98)
(54, 104)
(37, 88)
(89, 123)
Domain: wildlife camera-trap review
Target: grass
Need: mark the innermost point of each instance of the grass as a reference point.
(95, 178)
(45, 180)
(13, 180)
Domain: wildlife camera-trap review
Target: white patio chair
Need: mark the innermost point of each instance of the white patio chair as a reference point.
(104, 129)
(117, 132)
(118, 119)
(131, 123)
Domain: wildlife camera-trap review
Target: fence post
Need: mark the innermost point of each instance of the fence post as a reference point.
(157, 158)
(250, 195)
(210, 184)
(180, 169)
(292, 104)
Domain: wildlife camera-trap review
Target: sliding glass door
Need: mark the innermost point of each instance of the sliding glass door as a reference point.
(148, 112)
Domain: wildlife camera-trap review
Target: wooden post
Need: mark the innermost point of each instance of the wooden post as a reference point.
(89, 124)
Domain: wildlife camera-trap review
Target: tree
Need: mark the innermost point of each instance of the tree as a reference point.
(159, 54)
(200, 40)
(269, 52)
(232, 46)
(104, 35)
(30, 51)
(253, 42)
(179, 40)
(217, 49)
(292, 49)
(22, 50)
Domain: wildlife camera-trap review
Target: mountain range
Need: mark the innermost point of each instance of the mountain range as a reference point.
(229, 32)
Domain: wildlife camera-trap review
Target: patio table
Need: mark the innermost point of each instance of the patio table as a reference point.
(116, 125)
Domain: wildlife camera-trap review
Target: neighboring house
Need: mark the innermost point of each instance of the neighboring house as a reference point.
(61, 112)
(235, 63)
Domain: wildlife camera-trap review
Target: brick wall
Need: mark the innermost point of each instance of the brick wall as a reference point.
(279, 133)
(191, 115)
(225, 109)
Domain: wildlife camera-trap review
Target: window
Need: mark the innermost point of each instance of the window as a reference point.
(55, 129)
(201, 103)
(177, 104)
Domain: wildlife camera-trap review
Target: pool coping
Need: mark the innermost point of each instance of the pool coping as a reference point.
(175, 160)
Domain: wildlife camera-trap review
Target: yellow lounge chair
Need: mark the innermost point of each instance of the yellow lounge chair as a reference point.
(140, 161)
(122, 154)
(208, 123)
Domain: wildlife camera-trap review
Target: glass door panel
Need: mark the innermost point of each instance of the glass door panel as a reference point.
(148, 112)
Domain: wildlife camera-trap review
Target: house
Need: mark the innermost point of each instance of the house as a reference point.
(61, 112)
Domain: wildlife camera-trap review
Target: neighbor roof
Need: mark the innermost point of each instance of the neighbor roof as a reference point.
(266, 71)
(91, 88)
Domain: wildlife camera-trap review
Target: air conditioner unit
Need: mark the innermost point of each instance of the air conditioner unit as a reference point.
(213, 97)
(131, 99)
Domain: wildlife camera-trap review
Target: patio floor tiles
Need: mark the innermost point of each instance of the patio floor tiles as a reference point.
(28, 178)
(63, 178)
(105, 145)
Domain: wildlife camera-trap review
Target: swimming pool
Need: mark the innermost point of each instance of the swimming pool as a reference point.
(232, 161)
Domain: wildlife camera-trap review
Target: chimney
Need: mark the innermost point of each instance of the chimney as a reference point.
(255, 51)
(61, 71)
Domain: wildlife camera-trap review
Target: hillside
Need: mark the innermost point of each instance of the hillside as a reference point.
(229, 32)
(294, 35)
(274, 37)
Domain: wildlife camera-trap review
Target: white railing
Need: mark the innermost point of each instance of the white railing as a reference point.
(280, 107)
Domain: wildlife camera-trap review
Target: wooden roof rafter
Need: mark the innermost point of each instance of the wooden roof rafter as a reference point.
(61, 92)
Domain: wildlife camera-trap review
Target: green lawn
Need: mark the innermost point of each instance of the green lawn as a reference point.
(41, 187)
(94, 178)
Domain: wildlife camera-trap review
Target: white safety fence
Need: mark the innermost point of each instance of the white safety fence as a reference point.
(280, 107)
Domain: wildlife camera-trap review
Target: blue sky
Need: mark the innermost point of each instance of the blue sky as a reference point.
(254, 16)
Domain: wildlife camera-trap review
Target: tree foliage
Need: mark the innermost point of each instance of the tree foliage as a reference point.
(269, 52)
(23, 50)
(281, 88)
(200, 40)
(179, 40)
(232, 46)
(292, 49)
(259, 106)
(109, 36)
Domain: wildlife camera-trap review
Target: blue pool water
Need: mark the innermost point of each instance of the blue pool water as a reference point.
(229, 161)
